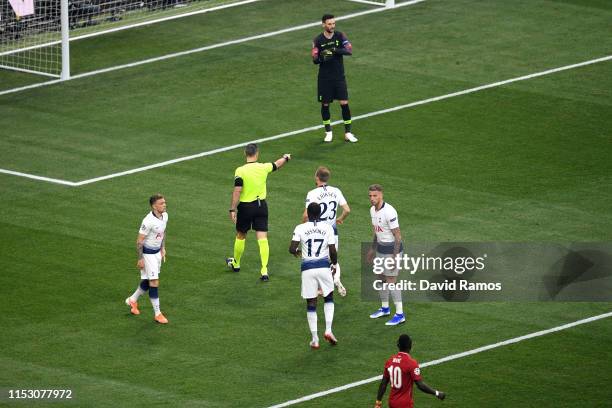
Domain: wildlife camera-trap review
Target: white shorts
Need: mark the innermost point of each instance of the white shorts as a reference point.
(313, 279)
(152, 266)
(389, 271)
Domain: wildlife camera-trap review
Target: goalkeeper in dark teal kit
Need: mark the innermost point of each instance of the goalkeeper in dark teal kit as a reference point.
(328, 50)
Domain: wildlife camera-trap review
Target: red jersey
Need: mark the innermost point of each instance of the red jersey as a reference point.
(402, 371)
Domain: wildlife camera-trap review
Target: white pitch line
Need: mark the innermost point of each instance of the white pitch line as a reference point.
(367, 115)
(448, 358)
(311, 128)
(39, 178)
(206, 48)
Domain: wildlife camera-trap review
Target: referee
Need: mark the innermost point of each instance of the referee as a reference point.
(249, 208)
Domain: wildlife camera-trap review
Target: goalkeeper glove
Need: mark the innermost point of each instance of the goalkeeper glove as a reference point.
(326, 55)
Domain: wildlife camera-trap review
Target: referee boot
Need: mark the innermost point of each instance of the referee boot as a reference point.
(349, 137)
(264, 274)
(230, 264)
(329, 136)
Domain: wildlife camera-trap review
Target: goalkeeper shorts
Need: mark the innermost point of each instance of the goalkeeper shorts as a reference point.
(332, 89)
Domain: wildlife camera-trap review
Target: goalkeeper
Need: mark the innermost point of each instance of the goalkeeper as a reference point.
(328, 50)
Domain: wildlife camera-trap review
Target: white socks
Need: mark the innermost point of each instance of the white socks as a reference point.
(396, 295)
(139, 292)
(155, 303)
(311, 316)
(328, 307)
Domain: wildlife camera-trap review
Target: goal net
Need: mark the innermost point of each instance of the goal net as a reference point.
(31, 30)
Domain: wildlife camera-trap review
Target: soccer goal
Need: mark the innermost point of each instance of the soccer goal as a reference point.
(35, 35)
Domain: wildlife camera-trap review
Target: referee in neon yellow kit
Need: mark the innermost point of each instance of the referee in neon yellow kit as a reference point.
(249, 208)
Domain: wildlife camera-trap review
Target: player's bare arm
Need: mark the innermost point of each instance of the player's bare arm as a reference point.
(346, 210)
(294, 249)
(372, 250)
(281, 162)
(428, 390)
(398, 241)
(235, 199)
(333, 254)
(163, 249)
(139, 249)
(381, 391)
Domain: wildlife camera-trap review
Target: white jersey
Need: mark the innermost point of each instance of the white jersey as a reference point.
(329, 198)
(154, 230)
(314, 238)
(384, 220)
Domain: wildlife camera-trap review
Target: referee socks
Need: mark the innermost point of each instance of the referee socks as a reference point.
(264, 253)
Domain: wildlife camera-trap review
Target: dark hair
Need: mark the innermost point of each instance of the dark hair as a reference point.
(314, 211)
(375, 187)
(323, 174)
(404, 343)
(251, 149)
(153, 199)
(326, 17)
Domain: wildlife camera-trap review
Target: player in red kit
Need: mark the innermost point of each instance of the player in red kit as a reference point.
(401, 371)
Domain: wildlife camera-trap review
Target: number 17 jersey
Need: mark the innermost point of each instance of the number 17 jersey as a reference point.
(315, 239)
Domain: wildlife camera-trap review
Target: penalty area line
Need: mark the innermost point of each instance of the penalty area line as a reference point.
(39, 178)
(449, 358)
(358, 117)
(311, 128)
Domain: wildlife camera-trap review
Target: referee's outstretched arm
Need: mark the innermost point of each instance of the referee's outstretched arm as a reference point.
(281, 162)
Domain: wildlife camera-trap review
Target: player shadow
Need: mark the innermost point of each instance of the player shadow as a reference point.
(574, 268)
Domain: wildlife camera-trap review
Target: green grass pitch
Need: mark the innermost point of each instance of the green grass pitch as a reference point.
(528, 161)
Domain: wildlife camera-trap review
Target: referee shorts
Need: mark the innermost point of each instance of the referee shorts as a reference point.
(252, 215)
(332, 89)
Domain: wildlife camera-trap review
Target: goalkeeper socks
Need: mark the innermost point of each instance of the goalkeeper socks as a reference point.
(264, 253)
(346, 116)
(328, 308)
(140, 290)
(396, 295)
(154, 296)
(238, 251)
(311, 316)
(326, 117)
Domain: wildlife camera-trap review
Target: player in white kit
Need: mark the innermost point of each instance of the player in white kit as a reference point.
(151, 250)
(387, 243)
(330, 199)
(315, 242)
